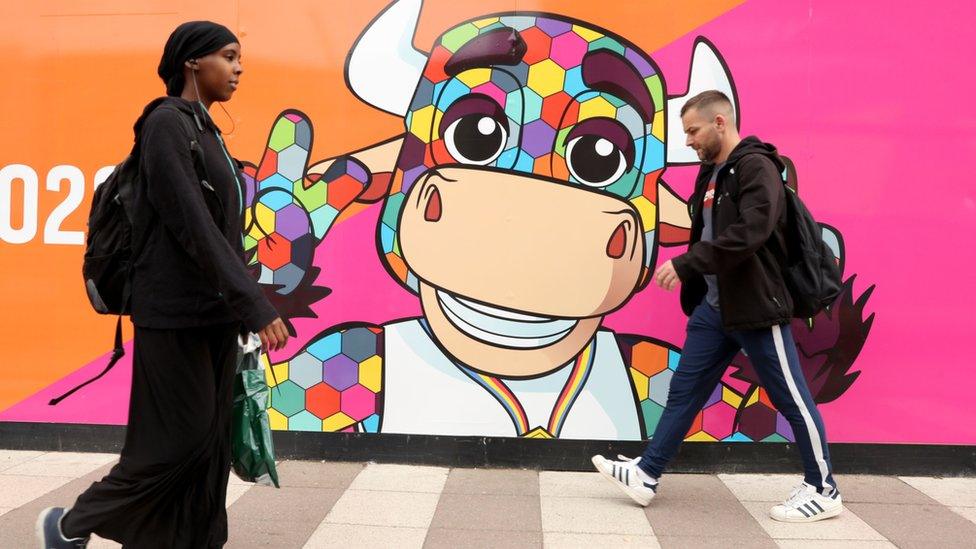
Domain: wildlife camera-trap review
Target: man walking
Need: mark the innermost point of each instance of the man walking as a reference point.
(733, 291)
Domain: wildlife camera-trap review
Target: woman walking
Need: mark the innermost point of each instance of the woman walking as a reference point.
(191, 298)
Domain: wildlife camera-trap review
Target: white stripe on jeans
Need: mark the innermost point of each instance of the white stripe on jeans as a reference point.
(807, 419)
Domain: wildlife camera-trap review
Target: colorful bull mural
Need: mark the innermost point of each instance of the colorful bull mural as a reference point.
(524, 202)
(483, 267)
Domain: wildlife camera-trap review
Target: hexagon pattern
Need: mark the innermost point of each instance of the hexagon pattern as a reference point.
(540, 98)
(333, 384)
(287, 212)
(652, 366)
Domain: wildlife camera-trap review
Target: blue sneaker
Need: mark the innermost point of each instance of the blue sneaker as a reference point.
(48, 528)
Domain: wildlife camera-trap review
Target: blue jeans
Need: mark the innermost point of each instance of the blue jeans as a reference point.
(708, 350)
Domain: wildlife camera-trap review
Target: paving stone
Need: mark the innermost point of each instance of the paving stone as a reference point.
(273, 534)
(288, 504)
(565, 540)
(834, 544)
(488, 512)
(702, 506)
(22, 489)
(371, 507)
(955, 492)
(317, 474)
(62, 464)
(700, 542)
(344, 536)
(445, 538)
(10, 458)
(401, 478)
(879, 489)
(594, 516)
(512, 482)
(234, 492)
(762, 487)
(917, 525)
(581, 485)
(966, 512)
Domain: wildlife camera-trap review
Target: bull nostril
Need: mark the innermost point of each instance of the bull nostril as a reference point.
(433, 210)
(617, 244)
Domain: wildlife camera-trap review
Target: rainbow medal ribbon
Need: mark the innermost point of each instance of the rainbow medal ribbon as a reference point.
(571, 390)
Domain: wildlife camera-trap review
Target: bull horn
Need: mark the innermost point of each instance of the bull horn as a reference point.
(708, 72)
(383, 69)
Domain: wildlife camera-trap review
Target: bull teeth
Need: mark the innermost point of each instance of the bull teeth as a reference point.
(498, 312)
(501, 326)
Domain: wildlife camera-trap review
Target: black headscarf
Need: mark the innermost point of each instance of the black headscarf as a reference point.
(189, 41)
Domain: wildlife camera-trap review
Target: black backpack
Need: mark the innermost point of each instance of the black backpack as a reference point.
(812, 275)
(109, 249)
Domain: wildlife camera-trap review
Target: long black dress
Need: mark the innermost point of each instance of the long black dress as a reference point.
(191, 297)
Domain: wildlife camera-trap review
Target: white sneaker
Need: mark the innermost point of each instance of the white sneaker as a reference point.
(623, 474)
(806, 505)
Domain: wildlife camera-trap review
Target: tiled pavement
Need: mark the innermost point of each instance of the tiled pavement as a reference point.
(352, 505)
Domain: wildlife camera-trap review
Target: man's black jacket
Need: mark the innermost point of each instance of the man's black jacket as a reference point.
(748, 253)
(191, 271)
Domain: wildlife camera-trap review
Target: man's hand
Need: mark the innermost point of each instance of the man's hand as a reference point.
(274, 336)
(666, 277)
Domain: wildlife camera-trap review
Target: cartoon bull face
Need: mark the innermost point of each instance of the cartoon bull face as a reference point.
(526, 200)
(513, 116)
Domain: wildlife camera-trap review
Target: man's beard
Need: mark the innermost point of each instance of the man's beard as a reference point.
(709, 152)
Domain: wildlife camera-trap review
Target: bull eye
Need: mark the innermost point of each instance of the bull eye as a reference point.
(595, 161)
(475, 139)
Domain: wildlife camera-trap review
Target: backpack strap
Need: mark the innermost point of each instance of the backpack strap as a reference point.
(190, 132)
(117, 353)
(199, 166)
(196, 150)
(788, 176)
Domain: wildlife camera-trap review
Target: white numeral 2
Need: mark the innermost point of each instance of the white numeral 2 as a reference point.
(76, 191)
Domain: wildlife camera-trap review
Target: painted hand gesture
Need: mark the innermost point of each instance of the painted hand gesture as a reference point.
(288, 211)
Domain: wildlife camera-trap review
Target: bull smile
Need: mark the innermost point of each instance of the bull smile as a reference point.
(502, 327)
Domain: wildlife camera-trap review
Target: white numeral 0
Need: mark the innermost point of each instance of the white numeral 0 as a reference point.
(76, 192)
(29, 227)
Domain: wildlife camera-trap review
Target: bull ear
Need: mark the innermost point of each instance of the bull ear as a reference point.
(708, 72)
(674, 222)
(383, 69)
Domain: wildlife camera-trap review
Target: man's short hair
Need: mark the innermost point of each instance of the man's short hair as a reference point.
(709, 101)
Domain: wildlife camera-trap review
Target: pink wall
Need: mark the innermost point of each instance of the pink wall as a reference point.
(871, 100)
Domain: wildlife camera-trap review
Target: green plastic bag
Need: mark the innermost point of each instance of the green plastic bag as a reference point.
(252, 450)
